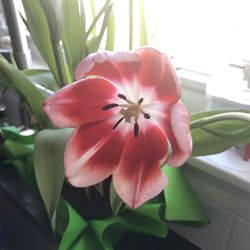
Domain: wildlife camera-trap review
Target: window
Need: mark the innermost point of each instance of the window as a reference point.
(202, 35)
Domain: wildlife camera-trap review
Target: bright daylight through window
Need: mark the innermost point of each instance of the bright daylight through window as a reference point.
(202, 36)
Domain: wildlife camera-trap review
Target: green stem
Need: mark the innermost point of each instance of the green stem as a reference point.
(118, 208)
(131, 22)
(87, 192)
(61, 67)
(100, 188)
(93, 13)
(53, 222)
(143, 27)
(92, 28)
(220, 117)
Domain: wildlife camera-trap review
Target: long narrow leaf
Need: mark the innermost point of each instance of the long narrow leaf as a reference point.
(143, 27)
(53, 12)
(40, 32)
(206, 114)
(42, 77)
(104, 9)
(93, 14)
(94, 44)
(74, 32)
(110, 41)
(131, 24)
(216, 131)
(49, 170)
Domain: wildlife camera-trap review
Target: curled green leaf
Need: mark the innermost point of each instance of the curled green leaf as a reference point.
(49, 166)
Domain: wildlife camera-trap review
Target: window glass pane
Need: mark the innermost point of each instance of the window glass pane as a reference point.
(201, 34)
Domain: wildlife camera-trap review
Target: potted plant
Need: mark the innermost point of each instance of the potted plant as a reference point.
(115, 131)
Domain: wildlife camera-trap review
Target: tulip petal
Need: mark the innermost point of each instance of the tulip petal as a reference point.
(118, 67)
(180, 138)
(138, 177)
(81, 102)
(157, 71)
(92, 154)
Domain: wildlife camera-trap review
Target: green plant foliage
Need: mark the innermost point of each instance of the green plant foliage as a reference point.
(49, 166)
(103, 233)
(110, 40)
(33, 96)
(42, 77)
(39, 29)
(131, 24)
(143, 27)
(115, 201)
(17, 150)
(70, 224)
(182, 205)
(216, 131)
(94, 43)
(54, 16)
(74, 32)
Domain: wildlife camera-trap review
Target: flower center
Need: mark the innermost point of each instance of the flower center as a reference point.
(129, 110)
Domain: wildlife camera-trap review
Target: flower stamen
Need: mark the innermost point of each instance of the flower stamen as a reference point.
(122, 96)
(140, 101)
(129, 110)
(120, 120)
(136, 130)
(110, 106)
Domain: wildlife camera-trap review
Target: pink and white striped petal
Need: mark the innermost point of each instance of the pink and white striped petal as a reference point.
(81, 102)
(138, 177)
(157, 72)
(92, 154)
(118, 67)
(181, 139)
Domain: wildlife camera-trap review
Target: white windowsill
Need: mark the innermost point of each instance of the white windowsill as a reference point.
(221, 181)
(228, 165)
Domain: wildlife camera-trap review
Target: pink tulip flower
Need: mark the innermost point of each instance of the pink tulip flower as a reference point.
(128, 119)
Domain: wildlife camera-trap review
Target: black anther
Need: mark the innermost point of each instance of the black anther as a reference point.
(118, 123)
(146, 116)
(140, 100)
(136, 130)
(122, 96)
(110, 106)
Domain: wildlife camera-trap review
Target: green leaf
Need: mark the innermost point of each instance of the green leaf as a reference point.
(49, 167)
(74, 230)
(115, 201)
(93, 14)
(182, 205)
(216, 131)
(42, 77)
(94, 43)
(131, 24)
(27, 89)
(73, 225)
(54, 16)
(15, 144)
(104, 9)
(40, 32)
(110, 40)
(74, 35)
(146, 219)
(101, 234)
(12, 133)
(17, 149)
(196, 116)
(143, 27)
